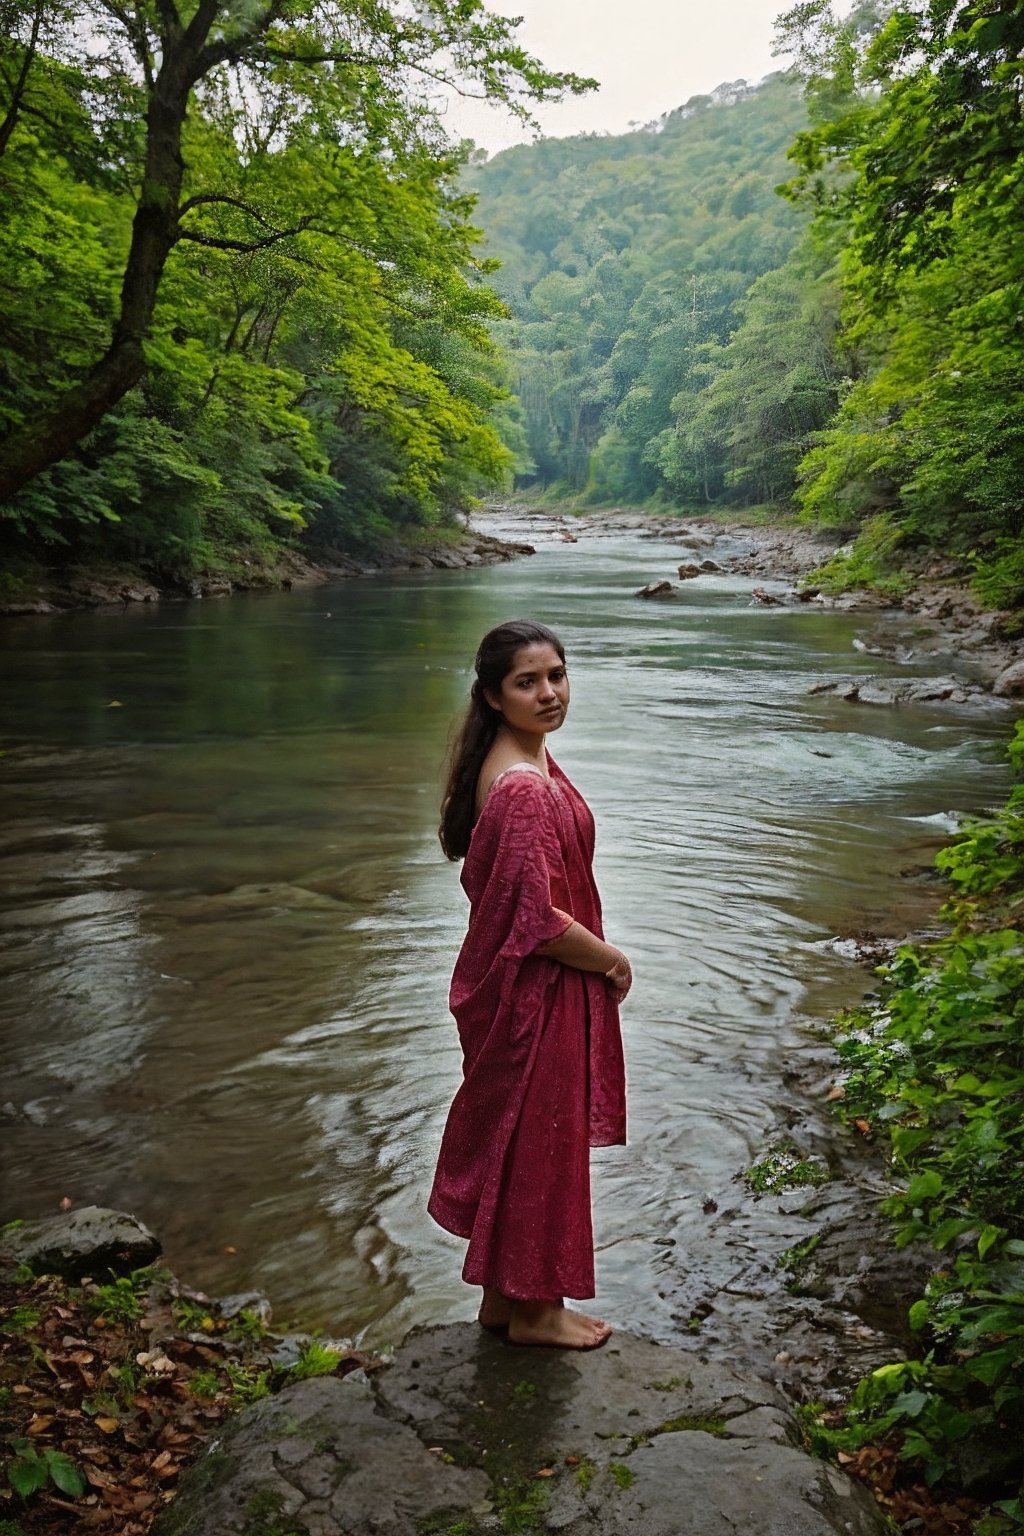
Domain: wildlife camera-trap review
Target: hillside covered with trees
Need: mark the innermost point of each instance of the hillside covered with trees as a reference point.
(854, 346)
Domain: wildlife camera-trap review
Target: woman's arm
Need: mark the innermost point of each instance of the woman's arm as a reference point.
(584, 951)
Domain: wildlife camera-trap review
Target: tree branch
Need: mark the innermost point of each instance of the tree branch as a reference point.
(205, 199)
(223, 243)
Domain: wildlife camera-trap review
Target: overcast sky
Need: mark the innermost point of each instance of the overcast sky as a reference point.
(649, 55)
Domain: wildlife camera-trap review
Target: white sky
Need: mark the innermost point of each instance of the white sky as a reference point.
(649, 55)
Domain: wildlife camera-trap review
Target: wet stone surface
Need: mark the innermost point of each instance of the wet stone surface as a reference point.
(463, 1434)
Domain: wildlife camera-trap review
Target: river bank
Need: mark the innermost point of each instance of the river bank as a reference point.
(43, 589)
(937, 617)
(118, 1393)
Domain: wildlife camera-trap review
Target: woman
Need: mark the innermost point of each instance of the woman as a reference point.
(535, 995)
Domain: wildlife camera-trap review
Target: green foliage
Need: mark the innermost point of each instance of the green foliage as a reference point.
(871, 560)
(31, 1470)
(782, 1168)
(192, 1316)
(204, 1383)
(248, 1383)
(21, 1319)
(912, 163)
(938, 1063)
(246, 1327)
(121, 1300)
(998, 577)
(315, 1359)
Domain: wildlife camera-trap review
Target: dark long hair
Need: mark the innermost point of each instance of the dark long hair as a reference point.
(494, 661)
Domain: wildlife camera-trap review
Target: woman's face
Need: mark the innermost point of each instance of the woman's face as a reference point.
(534, 695)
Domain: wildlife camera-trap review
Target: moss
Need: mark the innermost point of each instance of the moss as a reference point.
(585, 1475)
(446, 1523)
(703, 1423)
(624, 1476)
(520, 1507)
(262, 1517)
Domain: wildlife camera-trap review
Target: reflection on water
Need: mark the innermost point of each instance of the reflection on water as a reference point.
(227, 927)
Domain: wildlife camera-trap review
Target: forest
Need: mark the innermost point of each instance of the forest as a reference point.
(242, 302)
(851, 348)
(255, 298)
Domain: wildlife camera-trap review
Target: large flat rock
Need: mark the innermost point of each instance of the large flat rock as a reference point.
(450, 1438)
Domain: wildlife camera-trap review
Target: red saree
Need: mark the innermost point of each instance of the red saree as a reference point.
(542, 1054)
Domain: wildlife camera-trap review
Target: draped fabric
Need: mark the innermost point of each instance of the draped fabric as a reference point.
(542, 1053)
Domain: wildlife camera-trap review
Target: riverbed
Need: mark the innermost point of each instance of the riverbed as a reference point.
(227, 927)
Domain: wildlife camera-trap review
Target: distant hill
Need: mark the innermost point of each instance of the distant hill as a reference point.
(625, 262)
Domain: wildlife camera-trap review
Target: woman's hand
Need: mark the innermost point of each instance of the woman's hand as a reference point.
(620, 978)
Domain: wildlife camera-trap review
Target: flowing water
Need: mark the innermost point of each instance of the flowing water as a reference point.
(227, 928)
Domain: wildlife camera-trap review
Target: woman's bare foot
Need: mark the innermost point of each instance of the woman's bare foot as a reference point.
(550, 1323)
(495, 1309)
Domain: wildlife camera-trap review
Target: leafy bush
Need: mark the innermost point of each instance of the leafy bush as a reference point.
(937, 1062)
(870, 561)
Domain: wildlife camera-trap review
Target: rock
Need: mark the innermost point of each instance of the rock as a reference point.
(319, 1459)
(1010, 682)
(766, 599)
(710, 566)
(216, 586)
(655, 589)
(18, 606)
(888, 692)
(637, 1439)
(687, 572)
(90, 1241)
(567, 537)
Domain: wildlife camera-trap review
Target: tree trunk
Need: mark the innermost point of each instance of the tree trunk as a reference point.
(52, 436)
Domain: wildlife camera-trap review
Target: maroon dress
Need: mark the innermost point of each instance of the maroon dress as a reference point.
(542, 1053)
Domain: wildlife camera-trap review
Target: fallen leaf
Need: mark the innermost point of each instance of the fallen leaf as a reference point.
(108, 1426)
(837, 1091)
(572, 1461)
(230, 1248)
(39, 1423)
(863, 1126)
(545, 1472)
(66, 1203)
(161, 1460)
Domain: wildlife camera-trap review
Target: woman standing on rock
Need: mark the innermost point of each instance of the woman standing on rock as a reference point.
(535, 995)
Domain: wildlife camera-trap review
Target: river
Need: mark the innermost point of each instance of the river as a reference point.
(227, 926)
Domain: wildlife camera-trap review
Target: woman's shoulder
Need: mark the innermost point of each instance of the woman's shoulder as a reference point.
(520, 782)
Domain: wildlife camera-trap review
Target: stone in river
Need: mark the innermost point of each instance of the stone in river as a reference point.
(1010, 682)
(655, 589)
(89, 1241)
(464, 1432)
(688, 571)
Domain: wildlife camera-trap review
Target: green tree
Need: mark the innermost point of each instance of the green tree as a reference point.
(289, 73)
